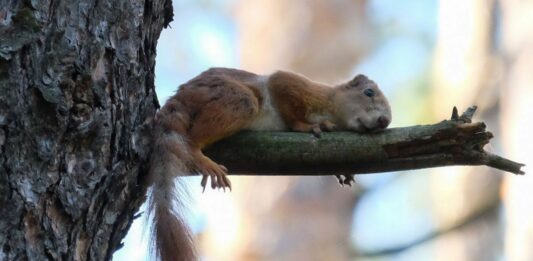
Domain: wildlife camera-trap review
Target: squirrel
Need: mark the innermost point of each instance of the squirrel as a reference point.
(221, 102)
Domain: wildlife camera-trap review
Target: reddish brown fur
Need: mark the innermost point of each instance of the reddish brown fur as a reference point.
(170, 236)
(297, 97)
(220, 102)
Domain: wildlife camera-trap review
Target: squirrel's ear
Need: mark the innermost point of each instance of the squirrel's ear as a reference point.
(357, 80)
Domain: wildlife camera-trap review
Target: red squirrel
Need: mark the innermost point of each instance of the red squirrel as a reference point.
(221, 102)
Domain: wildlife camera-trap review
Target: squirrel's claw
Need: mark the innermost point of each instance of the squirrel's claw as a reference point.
(349, 180)
(340, 179)
(345, 179)
(214, 182)
(317, 132)
(218, 176)
(203, 183)
(226, 182)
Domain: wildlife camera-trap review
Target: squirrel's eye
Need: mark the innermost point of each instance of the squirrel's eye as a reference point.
(369, 92)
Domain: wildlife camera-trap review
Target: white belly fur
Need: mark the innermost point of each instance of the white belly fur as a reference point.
(269, 118)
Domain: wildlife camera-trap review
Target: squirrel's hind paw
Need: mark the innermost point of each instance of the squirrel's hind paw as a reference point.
(218, 175)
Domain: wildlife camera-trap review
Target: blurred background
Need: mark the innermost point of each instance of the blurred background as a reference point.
(427, 56)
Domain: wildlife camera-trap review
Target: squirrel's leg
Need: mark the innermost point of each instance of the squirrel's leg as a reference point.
(316, 129)
(301, 126)
(219, 119)
(328, 126)
(209, 168)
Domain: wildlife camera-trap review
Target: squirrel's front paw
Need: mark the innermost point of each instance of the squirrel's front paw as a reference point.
(323, 126)
(345, 179)
(317, 132)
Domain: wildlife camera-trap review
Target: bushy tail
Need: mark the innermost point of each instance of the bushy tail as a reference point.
(170, 237)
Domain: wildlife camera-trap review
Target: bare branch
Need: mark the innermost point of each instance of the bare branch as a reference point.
(450, 142)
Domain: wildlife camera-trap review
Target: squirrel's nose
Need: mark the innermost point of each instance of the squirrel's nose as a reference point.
(383, 122)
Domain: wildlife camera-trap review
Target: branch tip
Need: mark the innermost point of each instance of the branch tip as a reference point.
(504, 164)
(468, 114)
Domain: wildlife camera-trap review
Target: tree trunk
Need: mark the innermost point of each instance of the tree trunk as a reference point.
(76, 86)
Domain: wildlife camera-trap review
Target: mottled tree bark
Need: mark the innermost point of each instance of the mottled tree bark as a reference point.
(76, 85)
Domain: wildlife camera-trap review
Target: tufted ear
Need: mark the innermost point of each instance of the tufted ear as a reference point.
(358, 80)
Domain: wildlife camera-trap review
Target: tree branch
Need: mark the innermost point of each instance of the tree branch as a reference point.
(451, 142)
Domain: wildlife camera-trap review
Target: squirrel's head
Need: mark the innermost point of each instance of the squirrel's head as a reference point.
(362, 106)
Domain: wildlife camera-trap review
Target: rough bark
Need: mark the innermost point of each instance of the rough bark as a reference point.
(452, 142)
(76, 85)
